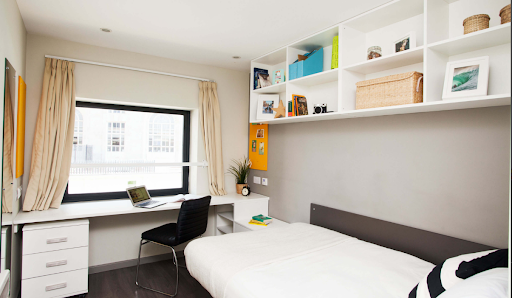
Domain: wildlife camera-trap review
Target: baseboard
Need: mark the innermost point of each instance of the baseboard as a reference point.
(133, 262)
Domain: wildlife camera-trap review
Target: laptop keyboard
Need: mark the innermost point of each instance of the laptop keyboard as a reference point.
(149, 203)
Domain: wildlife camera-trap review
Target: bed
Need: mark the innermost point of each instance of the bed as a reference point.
(327, 258)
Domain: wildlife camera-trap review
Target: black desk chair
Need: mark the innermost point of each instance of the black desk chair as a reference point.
(191, 223)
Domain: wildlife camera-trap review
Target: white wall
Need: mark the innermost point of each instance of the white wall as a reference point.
(446, 172)
(116, 85)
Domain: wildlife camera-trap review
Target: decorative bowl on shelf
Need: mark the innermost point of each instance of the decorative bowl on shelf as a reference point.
(374, 52)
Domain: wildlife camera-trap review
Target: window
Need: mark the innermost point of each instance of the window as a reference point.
(129, 148)
(115, 137)
(78, 136)
(161, 134)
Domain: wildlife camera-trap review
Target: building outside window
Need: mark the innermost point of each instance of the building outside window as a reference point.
(161, 134)
(115, 137)
(130, 148)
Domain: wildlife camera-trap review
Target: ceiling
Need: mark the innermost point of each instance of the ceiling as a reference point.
(202, 31)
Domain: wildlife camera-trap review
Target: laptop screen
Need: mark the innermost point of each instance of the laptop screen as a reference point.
(138, 194)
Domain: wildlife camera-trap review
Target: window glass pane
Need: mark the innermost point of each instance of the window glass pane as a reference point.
(141, 138)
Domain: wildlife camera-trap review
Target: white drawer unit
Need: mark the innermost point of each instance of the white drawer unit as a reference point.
(54, 262)
(58, 238)
(55, 259)
(56, 285)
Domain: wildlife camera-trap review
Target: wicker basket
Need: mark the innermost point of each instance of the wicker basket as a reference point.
(505, 14)
(392, 90)
(476, 22)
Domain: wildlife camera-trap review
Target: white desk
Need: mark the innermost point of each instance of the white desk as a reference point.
(6, 219)
(119, 207)
(236, 205)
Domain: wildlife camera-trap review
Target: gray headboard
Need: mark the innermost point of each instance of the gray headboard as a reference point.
(428, 246)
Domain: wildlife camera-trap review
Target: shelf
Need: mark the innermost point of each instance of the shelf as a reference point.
(277, 88)
(275, 57)
(386, 15)
(322, 39)
(405, 58)
(442, 105)
(227, 215)
(317, 78)
(494, 36)
(226, 229)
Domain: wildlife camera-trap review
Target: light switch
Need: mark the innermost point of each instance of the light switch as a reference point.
(264, 181)
(257, 180)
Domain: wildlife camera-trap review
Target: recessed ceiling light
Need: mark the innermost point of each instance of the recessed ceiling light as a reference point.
(106, 30)
(236, 57)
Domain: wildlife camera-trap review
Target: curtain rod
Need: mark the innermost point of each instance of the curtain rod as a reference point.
(129, 68)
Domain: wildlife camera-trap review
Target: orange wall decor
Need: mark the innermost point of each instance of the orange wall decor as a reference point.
(258, 145)
(20, 133)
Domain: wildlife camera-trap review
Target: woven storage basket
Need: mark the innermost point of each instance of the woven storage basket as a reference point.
(505, 14)
(476, 23)
(400, 89)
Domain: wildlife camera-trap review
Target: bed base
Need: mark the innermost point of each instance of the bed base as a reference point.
(429, 246)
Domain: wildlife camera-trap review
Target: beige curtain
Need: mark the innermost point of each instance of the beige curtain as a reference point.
(8, 172)
(209, 115)
(53, 139)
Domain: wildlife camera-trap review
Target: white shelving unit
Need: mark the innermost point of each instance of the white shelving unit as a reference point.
(228, 215)
(439, 39)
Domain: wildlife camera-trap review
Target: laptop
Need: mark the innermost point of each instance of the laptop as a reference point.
(140, 197)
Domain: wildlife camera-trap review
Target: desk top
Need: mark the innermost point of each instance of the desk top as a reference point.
(115, 207)
(6, 219)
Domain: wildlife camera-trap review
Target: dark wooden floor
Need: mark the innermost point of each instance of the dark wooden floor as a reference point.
(120, 283)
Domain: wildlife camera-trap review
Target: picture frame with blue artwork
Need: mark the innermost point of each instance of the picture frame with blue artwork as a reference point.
(466, 78)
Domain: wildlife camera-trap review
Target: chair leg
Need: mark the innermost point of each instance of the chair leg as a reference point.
(175, 261)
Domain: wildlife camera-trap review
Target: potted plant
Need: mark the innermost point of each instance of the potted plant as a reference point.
(241, 172)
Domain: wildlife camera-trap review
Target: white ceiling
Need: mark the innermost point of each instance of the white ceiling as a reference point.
(201, 31)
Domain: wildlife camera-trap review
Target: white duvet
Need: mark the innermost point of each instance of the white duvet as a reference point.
(301, 260)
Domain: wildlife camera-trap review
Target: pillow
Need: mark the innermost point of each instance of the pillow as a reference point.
(492, 283)
(444, 275)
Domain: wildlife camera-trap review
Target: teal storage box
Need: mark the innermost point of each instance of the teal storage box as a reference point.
(300, 68)
(313, 64)
(293, 71)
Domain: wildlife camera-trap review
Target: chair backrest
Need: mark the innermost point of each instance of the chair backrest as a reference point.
(193, 219)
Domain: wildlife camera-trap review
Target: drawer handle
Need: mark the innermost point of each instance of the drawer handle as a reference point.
(56, 240)
(56, 287)
(56, 263)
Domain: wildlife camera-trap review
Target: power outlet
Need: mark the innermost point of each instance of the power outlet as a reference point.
(257, 180)
(264, 181)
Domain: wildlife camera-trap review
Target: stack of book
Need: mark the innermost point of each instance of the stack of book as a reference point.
(261, 220)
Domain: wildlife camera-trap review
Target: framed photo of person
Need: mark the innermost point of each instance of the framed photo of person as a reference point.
(266, 103)
(465, 78)
(406, 42)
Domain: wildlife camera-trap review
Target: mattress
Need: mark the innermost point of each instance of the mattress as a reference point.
(301, 260)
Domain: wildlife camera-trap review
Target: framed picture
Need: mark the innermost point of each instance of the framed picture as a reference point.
(266, 103)
(260, 133)
(257, 72)
(468, 77)
(406, 42)
(262, 148)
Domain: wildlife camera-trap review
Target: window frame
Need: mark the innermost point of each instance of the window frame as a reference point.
(68, 198)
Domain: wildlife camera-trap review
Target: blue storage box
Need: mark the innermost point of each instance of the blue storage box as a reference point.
(292, 73)
(314, 64)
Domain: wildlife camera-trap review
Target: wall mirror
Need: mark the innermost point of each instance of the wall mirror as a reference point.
(9, 103)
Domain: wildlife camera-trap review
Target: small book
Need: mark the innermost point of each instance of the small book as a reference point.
(334, 58)
(290, 108)
(255, 222)
(278, 76)
(301, 105)
(262, 218)
(264, 80)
